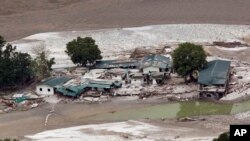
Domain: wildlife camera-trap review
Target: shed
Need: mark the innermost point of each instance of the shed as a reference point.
(72, 91)
(48, 86)
(213, 80)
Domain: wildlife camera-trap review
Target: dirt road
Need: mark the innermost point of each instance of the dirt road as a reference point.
(22, 18)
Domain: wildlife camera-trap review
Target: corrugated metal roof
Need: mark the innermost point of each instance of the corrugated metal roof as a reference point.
(215, 73)
(108, 64)
(77, 90)
(54, 81)
(156, 61)
(72, 91)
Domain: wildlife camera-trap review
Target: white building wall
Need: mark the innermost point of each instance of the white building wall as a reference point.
(150, 69)
(44, 90)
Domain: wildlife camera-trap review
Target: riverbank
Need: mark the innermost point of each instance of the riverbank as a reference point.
(27, 17)
(153, 111)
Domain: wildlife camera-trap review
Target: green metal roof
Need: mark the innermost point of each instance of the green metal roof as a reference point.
(73, 91)
(54, 81)
(156, 61)
(215, 73)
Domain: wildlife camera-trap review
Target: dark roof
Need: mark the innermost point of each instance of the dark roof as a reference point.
(73, 91)
(108, 64)
(156, 61)
(215, 73)
(54, 81)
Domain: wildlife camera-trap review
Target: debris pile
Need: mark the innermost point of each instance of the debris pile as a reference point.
(230, 44)
(19, 102)
(140, 52)
(239, 84)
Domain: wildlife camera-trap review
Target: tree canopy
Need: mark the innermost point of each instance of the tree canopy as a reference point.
(83, 51)
(188, 58)
(223, 137)
(15, 67)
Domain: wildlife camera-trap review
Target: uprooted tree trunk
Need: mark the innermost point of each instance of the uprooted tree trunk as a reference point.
(189, 78)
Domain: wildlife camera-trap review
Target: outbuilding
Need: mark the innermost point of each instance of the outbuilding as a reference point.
(48, 86)
(213, 80)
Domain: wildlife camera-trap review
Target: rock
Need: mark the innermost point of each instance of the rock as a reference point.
(34, 105)
(88, 99)
(96, 99)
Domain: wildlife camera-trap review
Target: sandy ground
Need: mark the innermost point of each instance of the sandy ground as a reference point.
(19, 19)
(118, 43)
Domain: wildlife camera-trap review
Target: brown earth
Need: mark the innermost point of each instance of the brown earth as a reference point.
(19, 124)
(22, 18)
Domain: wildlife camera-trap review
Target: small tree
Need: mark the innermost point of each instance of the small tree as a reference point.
(83, 51)
(188, 58)
(42, 64)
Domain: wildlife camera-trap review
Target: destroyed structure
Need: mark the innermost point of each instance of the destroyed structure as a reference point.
(213, 80)
(106, 75)
(110, 64)
(96, 85)
(156, 68)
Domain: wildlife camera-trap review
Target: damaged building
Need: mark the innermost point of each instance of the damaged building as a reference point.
(213, 80)
(156, 68)
(95, 85)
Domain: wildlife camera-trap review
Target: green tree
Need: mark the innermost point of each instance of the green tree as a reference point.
(223, 137)
(83, 51)
(15, 67)
(188, 58)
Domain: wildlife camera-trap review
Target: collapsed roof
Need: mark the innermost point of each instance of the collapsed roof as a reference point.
(159, 61)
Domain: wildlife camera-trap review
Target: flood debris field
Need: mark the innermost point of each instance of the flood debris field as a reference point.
(229, 42)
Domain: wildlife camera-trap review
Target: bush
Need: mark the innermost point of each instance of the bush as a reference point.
(223, 137)
(7, 139)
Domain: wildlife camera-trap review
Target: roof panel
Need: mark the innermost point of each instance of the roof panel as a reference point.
(54, 81)
(215, 73)
(156, 61)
